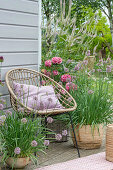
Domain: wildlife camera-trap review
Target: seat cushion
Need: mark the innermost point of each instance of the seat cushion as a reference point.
(37, 98)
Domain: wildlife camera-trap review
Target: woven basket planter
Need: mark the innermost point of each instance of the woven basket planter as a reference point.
(87, 139)
(109, 143)
(58, 126)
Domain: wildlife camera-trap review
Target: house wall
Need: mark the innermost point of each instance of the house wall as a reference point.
(20, 36)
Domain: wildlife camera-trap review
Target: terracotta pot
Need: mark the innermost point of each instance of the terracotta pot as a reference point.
(86, 138)
(17, 162)
(91, 60)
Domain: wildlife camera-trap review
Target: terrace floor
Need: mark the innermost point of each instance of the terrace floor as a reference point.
(61, 152)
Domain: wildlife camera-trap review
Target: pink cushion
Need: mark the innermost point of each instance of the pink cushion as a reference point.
(38, 98)
(92, 162)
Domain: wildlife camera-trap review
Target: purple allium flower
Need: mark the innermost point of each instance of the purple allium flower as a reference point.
(2, 101)
(69, 61)
(46, 142)
(64, 133)
(90, 91)
(101, 61)
(9, 112)
(88, 53)
(24, 120)
(58, 137)
(49, 119)
(85, 62)
(77, 68)
(66, 69)
(108, 69)
(99, 70)
(1, 58)
(108, 60)
(34, 143)
(1, 106)
(17, 150)
(50, 99)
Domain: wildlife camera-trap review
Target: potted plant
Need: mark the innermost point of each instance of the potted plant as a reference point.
(20, 138)
(93, 108)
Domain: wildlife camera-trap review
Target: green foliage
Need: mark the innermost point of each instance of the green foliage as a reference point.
(15, 133)
(93, 101)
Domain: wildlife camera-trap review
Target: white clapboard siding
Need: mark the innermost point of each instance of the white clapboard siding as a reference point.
(12, 59)
(16, 18)
(4, 70)
(7, 45)
(10, 31)
(20, 5)
(20, 37)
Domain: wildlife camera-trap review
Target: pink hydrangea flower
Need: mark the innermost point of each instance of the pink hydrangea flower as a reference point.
(34, 143)
(58, 137)
(24, 120)
(17, 150)
(64, 133)
(65, 77)
(67, 87)
(46, 142)
(48, 63)
(55, 72)
(56, 60)
(1, 106)
(49, 119)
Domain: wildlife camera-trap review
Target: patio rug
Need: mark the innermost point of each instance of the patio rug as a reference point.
(92, 162)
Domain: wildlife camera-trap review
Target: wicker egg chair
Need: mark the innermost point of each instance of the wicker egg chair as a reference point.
(32, 77)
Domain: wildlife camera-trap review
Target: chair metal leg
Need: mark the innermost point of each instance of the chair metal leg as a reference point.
(32, 121)
(74, 134)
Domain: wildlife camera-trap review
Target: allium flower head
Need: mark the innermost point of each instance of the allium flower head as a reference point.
(9, 112)
(85, 62)
(58, 137)
(48, 63)
(99, 70)
(90, 91)
(108, 69)
(1, 106)
(66, 69)
(17, 151)
(64, 133)
(46, 142)
(49, 119)
(34, 143)
(77, 68)
(24, 120)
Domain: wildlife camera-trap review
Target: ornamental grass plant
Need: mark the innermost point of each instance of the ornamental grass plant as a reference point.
(94, 101)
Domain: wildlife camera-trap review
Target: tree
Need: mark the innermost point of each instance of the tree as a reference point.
(98, 4)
